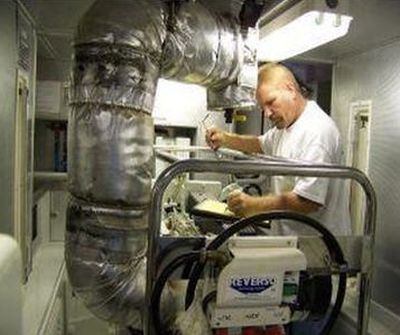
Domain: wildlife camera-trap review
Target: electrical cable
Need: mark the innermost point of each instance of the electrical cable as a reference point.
(207, 299)
(329, 239)
(179, 243)
(196, 244)
(337, 306)
(187, 270)
(133, 331)
(161, 281)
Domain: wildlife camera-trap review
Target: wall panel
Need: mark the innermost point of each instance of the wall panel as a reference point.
(8, 60)
(375, 75)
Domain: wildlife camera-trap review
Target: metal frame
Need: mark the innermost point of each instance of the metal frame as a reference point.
(270, 166)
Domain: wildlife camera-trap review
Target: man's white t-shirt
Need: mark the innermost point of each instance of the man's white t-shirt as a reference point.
(313, 137)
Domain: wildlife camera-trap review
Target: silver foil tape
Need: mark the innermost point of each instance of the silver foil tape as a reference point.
(107, 266)
(201, 48)
(110, 155)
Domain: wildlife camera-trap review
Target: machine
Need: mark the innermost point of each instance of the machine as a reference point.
(259, 284)
(255, 284)
(252, 282)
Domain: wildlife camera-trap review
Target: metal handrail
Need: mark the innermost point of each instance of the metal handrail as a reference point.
(271, 168)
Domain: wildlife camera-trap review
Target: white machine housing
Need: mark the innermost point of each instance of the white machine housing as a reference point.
(255, 288)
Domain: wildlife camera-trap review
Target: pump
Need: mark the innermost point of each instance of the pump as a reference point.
(257, 284)
(265, 282)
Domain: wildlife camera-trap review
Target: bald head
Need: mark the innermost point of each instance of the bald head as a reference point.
(279, 95)
(276, 74)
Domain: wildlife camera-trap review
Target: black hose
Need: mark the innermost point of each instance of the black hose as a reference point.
(337, 306)
(207, 299)
(133, 331)
(329, 239)
(161, 281)
(187, 270)
(178, 243)
(196, 244)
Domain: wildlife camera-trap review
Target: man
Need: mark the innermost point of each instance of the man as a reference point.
(302, 131)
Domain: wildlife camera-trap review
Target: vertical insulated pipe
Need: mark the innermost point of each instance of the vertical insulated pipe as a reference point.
(118, 48)
(122, 47)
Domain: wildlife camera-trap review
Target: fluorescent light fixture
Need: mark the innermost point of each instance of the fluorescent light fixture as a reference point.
(304, 33)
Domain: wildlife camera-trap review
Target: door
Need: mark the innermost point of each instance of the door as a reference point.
(22, 229)
(358, 157)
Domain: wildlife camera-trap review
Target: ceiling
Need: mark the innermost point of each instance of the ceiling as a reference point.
(375, 23)
(56, 21)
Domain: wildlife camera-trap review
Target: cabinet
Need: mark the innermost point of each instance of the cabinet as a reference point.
(58, 214)
(50, 214)
(50, 153)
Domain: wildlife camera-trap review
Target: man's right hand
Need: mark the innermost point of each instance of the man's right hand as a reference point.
(215, 138)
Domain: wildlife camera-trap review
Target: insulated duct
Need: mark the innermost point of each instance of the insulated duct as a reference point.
(122, 47)
(209, 49)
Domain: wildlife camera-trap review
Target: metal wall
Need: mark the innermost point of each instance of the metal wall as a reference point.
(375, 75)
(8, 65)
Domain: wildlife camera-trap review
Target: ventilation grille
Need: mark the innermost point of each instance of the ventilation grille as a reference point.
(25, 43)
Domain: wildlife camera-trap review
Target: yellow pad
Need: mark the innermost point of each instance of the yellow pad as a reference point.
(213, 208)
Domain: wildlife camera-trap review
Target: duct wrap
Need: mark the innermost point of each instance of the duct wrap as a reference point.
(112, 159)
(209, 49)
(240, 93)
(104, 255)
(122, 47)
(118, 49)
(202, 48)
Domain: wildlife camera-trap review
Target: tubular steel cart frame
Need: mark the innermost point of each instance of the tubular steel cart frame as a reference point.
(269, 166)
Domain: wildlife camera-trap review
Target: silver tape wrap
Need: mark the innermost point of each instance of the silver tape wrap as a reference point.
(232, 96)
(106, 267)
(239, 94)
(102, 76)
(229, 8)
(118, 49)
(202, 48)
(110, 152)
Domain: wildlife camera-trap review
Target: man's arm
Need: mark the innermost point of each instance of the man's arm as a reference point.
(217, 138)
(246, 205)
